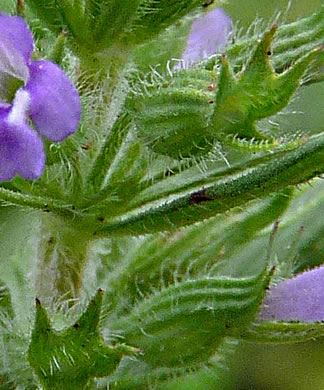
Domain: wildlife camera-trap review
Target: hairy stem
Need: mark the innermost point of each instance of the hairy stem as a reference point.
(63, 254)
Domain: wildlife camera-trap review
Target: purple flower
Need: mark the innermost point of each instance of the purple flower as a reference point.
(30, 90)
(297, 299)
(208, 35)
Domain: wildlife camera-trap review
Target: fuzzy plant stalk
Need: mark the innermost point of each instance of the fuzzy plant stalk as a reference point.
(144, 170)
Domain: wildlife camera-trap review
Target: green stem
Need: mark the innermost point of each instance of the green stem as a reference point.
(63, 254)
(101, 71)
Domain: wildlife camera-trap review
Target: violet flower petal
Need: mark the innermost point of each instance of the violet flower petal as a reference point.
(297, 299)
(55, 104)
(21, 150)
(208, 35)
(12, 69)
(16, 31)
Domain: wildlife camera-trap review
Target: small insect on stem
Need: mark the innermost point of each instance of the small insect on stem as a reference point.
(207, 3)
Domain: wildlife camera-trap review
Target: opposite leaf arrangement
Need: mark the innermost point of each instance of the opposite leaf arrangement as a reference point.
(159, 198)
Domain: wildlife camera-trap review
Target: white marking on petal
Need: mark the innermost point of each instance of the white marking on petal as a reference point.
(18, 113)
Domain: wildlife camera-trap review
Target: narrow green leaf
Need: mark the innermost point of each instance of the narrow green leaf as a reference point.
(109, 152)
(36, 202)
(92, 8)
(57, 52)
(64, 15)
(242, 231)
(173, 183)
(281, 170)
(74, 20)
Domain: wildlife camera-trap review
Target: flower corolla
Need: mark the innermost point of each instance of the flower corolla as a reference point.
(36, 99)
(208, 35)
(297, 299)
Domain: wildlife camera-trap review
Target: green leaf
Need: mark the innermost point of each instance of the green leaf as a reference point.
(63, 15)
(27, 201)
(98, 25)
(258, 92)
(69, 358)
(57, 52)
(73, 17)
(109, 152)
(275, 172)
(299, 246)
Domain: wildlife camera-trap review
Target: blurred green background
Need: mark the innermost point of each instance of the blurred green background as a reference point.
(7, 5)
(264, 367)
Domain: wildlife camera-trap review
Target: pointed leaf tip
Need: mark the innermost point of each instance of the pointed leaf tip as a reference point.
(78, 352)
(184, 119)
